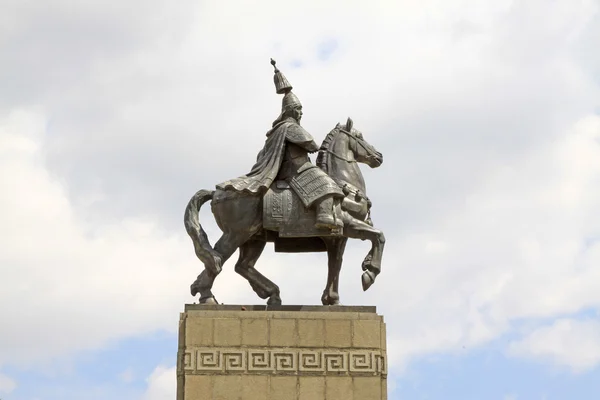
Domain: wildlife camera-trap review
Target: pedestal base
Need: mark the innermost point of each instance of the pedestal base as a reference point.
(280, 353)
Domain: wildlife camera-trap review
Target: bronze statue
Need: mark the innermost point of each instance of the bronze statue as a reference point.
(287, 200)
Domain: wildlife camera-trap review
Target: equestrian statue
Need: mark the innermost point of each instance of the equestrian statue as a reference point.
(289, 201)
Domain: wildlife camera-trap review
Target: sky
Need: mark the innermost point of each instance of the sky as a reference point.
(113, 114)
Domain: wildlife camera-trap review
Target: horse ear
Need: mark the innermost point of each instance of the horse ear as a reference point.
(338, 125)
(349, 124)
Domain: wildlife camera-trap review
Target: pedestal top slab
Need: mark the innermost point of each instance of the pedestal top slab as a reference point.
(242, 307)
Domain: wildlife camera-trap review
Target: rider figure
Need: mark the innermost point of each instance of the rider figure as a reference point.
(285, 157)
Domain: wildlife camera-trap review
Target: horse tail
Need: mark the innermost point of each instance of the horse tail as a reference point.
(204, 251)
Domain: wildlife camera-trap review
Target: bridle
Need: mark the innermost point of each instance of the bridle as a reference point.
(342, 157)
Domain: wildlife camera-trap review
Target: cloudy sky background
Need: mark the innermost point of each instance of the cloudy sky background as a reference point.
(112, 115)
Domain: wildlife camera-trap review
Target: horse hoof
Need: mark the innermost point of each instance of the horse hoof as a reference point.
(274, 300)
(330, 301)
(367, 280)
(194, 289)
(366, 264)
(209, 301)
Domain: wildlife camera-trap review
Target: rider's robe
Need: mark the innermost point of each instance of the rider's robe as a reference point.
(269, 159)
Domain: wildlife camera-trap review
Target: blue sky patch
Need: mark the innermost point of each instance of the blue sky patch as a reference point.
(117, 372)
(326, 48)
(489, 374)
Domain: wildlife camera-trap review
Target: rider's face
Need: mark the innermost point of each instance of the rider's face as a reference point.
(298, 113)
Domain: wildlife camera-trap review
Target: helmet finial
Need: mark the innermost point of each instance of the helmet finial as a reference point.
(282, 85)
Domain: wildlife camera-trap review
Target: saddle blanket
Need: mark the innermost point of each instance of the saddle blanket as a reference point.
(284, 212)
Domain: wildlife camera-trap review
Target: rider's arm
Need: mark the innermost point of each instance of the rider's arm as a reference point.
(300, 137)
(311, 146)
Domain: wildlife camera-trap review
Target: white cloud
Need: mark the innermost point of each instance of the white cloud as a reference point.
(7, 384)
(570, 343)
(76, 285)
(520, 247)
(162, 384)
(488, 194)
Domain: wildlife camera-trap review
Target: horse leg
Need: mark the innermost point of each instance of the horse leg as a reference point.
(249, 254)
(340, 255)
(335, 252)
(239, 218)
(203, 285)
(357, 229)
(225, 247)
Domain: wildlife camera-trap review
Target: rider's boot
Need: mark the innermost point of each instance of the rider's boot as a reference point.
(325, 217)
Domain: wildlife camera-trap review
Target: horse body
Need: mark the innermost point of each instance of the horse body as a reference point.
(240, 217)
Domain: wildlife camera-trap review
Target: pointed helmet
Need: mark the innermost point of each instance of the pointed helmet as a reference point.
(283, 86)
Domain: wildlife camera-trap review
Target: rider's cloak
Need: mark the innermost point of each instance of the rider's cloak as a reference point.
(269, 159)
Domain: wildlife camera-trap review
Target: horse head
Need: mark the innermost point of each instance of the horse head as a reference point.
(364, 152)
(347, 143)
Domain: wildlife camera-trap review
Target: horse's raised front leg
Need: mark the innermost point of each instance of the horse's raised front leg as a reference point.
(357, 229)
(249, 254)
(335, 253)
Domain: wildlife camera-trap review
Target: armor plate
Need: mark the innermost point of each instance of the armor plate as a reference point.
(298, 135)
(312, 183)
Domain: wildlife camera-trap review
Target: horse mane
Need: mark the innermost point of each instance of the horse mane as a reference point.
(323, 156)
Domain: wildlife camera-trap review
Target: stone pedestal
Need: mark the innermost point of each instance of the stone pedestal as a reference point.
(278, 353)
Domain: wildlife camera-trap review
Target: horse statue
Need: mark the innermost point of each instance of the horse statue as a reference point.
(250, 221)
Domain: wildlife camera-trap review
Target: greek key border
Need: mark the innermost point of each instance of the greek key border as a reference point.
(210, 360)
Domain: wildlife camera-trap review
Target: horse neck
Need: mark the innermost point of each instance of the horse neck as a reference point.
(340, 170)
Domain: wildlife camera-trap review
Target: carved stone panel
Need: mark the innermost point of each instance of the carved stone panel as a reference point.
(210, 360)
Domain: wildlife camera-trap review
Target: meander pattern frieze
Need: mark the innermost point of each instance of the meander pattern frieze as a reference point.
(283, 361)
